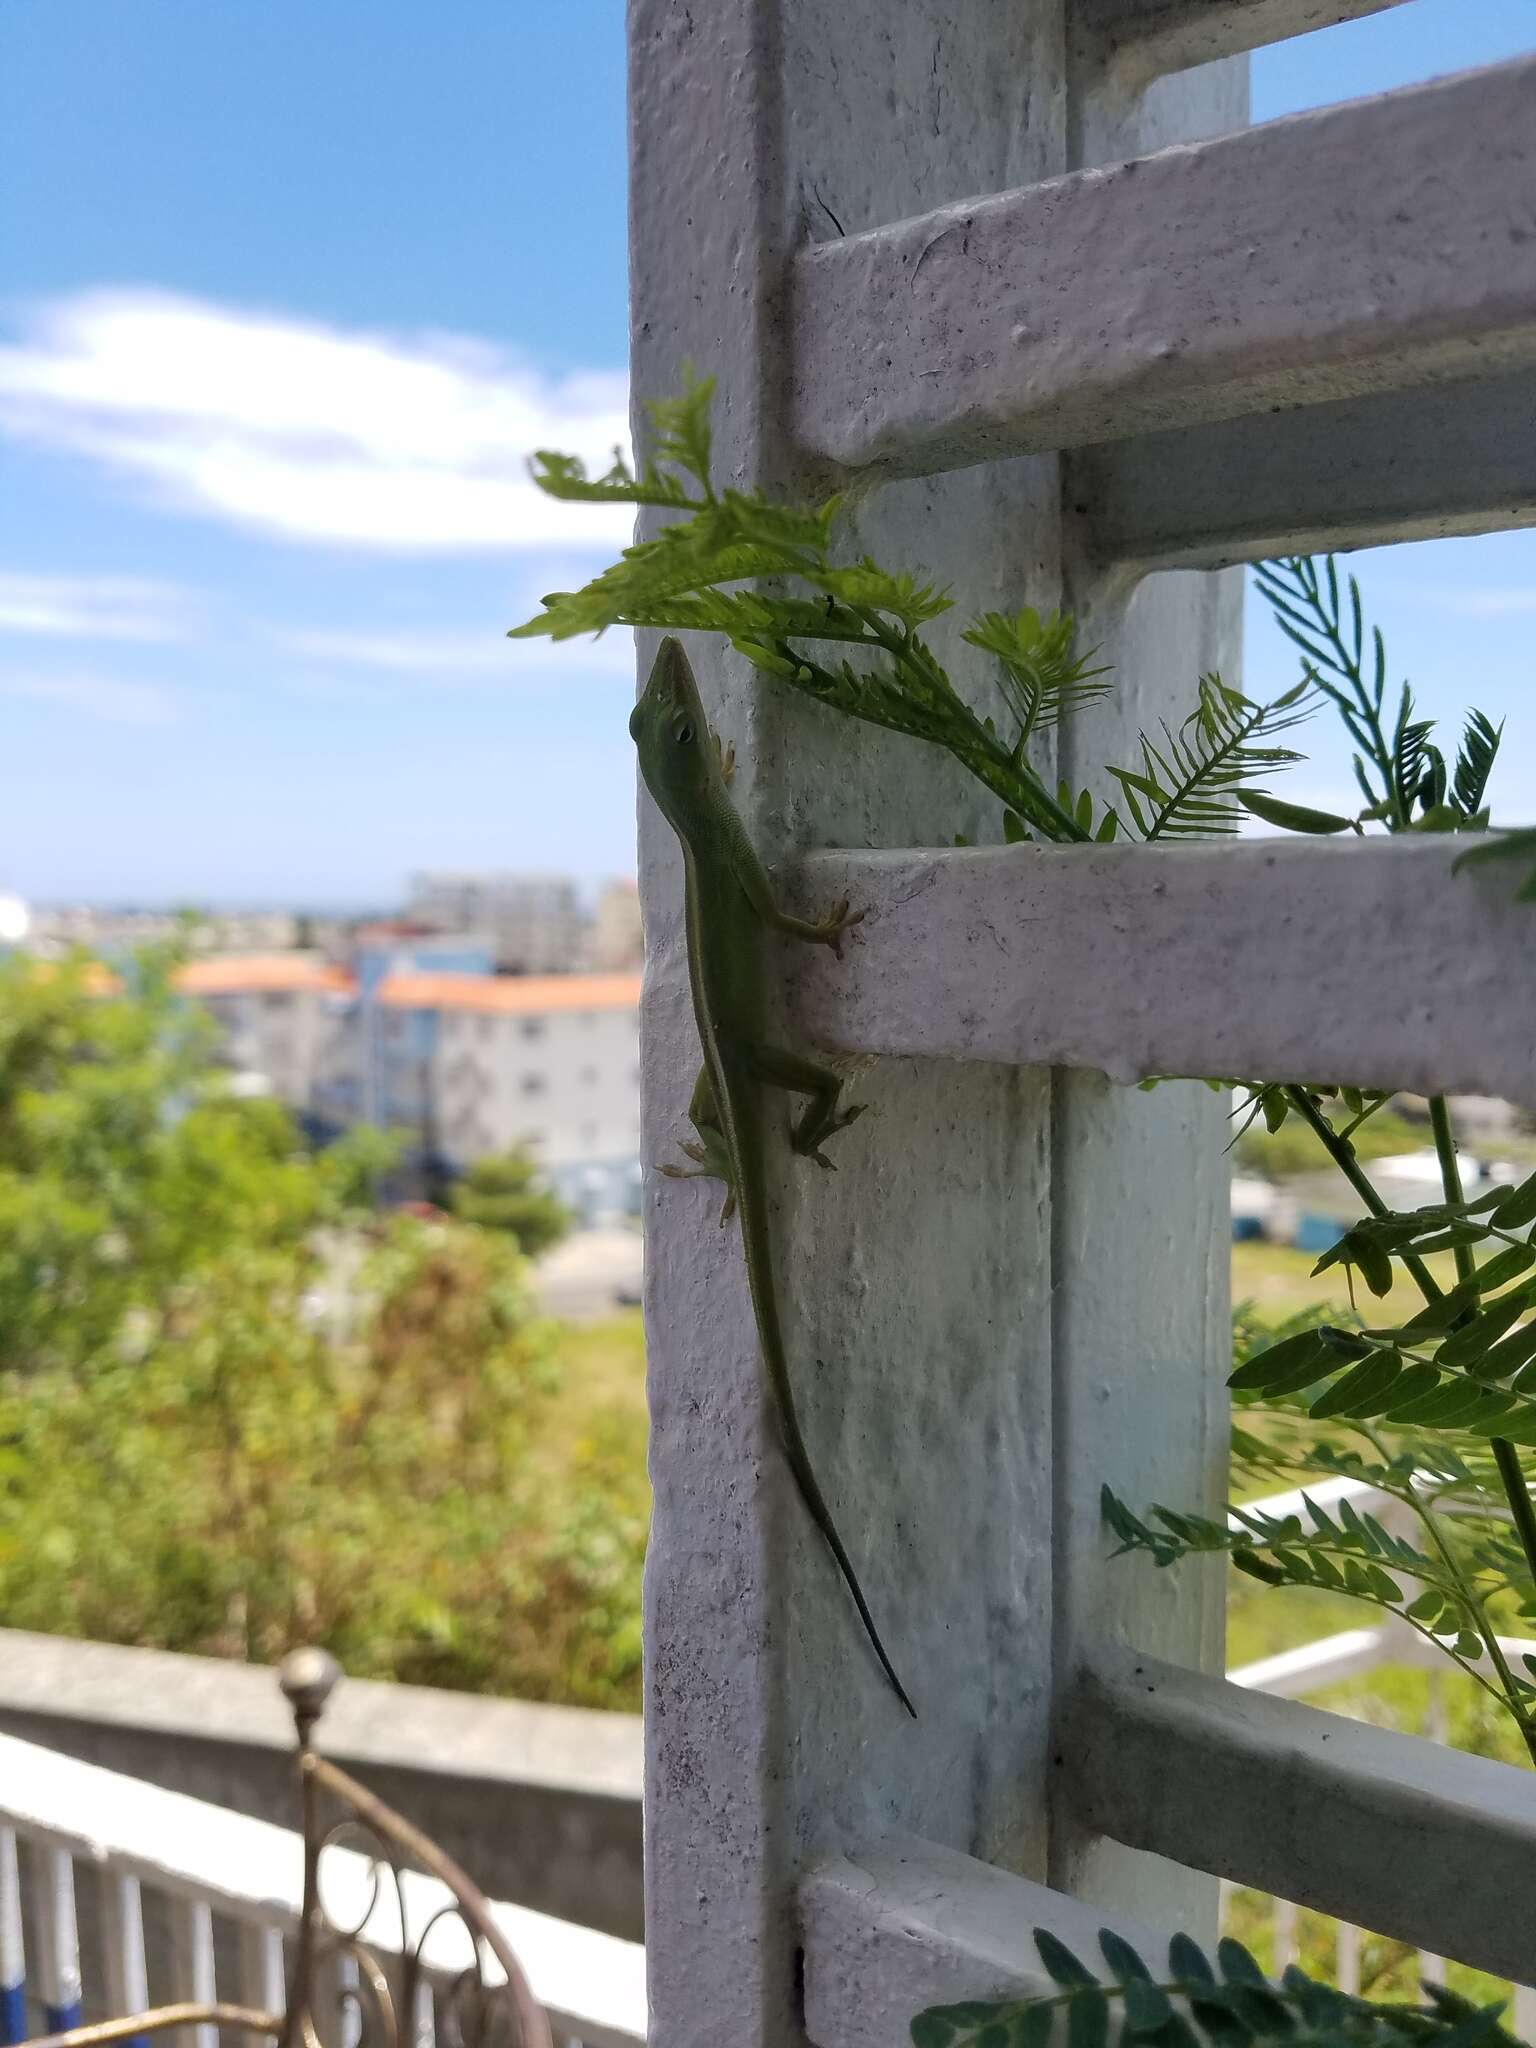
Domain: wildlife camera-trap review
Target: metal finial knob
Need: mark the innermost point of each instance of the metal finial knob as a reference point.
(308, 1677)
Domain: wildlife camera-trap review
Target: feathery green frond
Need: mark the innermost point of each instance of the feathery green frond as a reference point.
(1043, 679)
(1191, 785)
(1199, 2002)
(1310, 612)
(1474, 762)
(680, 432)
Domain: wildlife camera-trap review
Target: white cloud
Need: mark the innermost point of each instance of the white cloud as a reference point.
(409, 444)
(449, 654)
(91, 608)
(109, 698)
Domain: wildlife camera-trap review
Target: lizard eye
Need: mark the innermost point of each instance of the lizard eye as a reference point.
(682, 732)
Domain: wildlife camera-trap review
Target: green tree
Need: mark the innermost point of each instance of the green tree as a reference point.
(238, 1408)
(503, 1192)
(126, 1164)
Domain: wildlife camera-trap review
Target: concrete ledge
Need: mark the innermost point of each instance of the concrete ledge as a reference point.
(900, 1926)
(1426, 1844)
(540, 1804)
(1379, 246)
(1195, 959)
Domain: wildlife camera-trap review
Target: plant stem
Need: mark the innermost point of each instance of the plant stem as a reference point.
(1474, 1605)
(1342, 1153)
(1505, 1456)
(1450, 1176)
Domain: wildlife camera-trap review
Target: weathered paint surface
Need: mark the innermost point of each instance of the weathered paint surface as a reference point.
(1222, 959)
(1134, 40)
(926, 1280)
(1403, 465)
(1272, 267)
(1330, 1812)
(893, 1929)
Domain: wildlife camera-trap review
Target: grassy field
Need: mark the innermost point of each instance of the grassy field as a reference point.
(1280, 1283)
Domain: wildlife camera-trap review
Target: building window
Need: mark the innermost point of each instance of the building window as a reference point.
(275, 1000)
(533, 1084)
(483, 1028)
(589, 1134)
(533, 1027)
(589, 1077)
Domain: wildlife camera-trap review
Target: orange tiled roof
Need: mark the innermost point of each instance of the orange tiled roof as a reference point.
(238, 974)
(511, 994)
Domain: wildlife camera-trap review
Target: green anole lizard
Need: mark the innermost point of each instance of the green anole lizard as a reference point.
(730, 903)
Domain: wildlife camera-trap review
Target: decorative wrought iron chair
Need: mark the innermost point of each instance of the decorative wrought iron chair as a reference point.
(377, 1947)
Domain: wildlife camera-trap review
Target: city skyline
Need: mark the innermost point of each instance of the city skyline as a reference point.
(284, 309)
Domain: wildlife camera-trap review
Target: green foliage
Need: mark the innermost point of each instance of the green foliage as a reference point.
(238, 1410)
(849, 634)
(1043, 678)
(1401, 773)
(503, 1192)
(1200, 2001)
(247, 1478)
(126, 1165)
(1276, 1143)
(1192, 786)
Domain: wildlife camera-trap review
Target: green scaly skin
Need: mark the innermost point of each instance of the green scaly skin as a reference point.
(729, 904)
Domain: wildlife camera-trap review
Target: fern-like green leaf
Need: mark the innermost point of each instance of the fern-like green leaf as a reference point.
(1043, 679)
(1474, 762)
(1200, 2003)
(1190, 786)
(680, 431)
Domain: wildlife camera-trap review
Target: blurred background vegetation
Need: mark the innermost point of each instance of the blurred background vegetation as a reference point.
(242, 1405)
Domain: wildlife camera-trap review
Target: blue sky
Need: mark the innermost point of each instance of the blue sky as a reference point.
(287, 290)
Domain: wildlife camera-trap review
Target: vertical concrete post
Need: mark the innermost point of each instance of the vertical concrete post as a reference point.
(1142, 1335)
(918, 1281)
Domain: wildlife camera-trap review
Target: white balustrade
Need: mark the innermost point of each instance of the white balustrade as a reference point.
(212, 1867)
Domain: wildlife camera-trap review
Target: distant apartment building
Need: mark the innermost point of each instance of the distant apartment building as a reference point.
(57, 928)
(536, 923)
(616, 943)
(549, 1062)
(418, 1034)
(283, 1015)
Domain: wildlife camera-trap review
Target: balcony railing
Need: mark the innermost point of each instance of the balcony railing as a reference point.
(115, 1894)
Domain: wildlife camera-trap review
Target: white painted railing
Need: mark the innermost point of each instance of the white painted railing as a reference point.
(1330, 1660)
(228, 1892)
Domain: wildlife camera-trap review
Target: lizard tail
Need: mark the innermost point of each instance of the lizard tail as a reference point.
(772, 1339)
(821, 1515)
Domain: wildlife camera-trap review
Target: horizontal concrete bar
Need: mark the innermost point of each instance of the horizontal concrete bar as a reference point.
(893, 1930)
(1422, 1843)
(1375, 246)
(541, 1804)
(1365, 962)
(1407, 465)
(1138, 39)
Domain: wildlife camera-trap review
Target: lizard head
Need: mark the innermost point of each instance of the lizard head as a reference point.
(677, 757)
